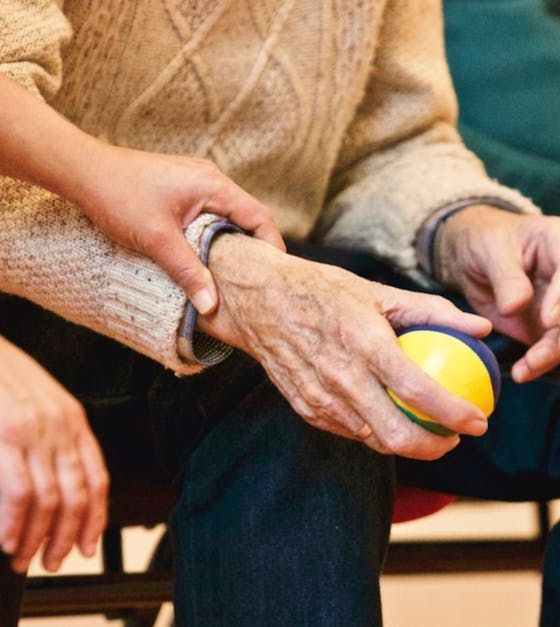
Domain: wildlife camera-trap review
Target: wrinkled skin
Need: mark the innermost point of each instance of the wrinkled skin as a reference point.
(508, 267)
(326, 339)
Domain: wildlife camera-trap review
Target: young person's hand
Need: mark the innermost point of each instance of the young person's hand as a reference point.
(53, 480)
(144, 201)
(140, 200)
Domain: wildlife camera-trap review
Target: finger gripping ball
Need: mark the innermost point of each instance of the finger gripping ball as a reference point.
(463, 365)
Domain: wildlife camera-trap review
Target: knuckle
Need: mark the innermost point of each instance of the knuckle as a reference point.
(438, 449)
(439, 302)
(72, 467)
(190, 275)
(48, 501)
(322, 405)
(26, 424)
(399, 443)
(433, 455)
(264, 214)
(19, 494)
(315, 398)
(343, 385)
(383, 449)
(386, 357)
(331, 374)
(410, 391)
(347, 333)
(328, 410)
(50, 416)
(100, 484)
(75, 409)
(303, 409)
(221, 185)
(76, 502)
(205, 164)
(56, 419)
(12, 431)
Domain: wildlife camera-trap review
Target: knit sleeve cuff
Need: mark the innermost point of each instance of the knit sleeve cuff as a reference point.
(194, 346)
(426, 237)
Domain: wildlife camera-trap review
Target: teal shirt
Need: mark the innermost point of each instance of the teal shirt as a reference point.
(505, 61)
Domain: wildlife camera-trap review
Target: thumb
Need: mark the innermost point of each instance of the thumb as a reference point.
(403, 309)
(511, 285)
(182, 264)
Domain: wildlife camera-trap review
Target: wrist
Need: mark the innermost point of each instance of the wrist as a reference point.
(90, 174)
(249, 274)
(455, 233)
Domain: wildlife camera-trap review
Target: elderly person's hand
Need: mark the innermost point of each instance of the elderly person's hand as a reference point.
(326, 339)
(53, 481)
(508, 267)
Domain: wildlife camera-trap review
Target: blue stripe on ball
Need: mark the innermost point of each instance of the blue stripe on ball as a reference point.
(486, 355)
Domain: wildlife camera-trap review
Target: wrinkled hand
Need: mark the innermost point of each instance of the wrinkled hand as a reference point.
(508, 267)
(53, 482)
(144, 201)
(326, 339)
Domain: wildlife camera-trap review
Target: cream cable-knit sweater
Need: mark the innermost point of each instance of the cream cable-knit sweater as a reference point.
(338, 114)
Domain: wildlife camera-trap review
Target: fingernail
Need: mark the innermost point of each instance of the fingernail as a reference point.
(203, 301)
(9, 546)
(52, 565)
(20, 566)
(519, 372)
(89, 550)
(479, 426)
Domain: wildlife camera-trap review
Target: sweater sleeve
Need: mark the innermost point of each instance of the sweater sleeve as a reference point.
(52, 255)
(49, 252)
(32, 34)
(402, 159)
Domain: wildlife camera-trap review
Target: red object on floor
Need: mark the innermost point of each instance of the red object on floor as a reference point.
(412, 503)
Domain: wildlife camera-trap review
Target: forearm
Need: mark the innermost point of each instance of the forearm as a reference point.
(39, 146)
(53, 256)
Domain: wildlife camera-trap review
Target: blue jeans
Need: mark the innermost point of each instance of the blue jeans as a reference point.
(517, 460)
(277, 523)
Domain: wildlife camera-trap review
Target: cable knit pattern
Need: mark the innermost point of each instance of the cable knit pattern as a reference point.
(338, 114)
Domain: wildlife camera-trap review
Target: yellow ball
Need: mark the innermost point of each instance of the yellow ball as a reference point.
(460, 363)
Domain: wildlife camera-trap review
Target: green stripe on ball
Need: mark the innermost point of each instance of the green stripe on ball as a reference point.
(434, 427)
